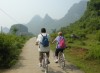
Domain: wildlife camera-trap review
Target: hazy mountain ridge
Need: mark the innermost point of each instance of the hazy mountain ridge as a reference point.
(5, 30)
(75, 12)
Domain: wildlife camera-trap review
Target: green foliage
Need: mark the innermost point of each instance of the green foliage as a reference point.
(53, 36)
(67, 36)
(14, 31)
(98, 36)
(87, 28)
(94, 52)
(10, 48)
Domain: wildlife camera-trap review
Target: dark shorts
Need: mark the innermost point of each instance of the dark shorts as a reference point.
(57, 51)
(41, 54)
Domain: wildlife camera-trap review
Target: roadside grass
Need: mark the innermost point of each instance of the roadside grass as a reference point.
(85, 54)
(77, 52)
(77, 57)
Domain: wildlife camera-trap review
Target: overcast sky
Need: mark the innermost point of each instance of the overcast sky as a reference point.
(22, 11)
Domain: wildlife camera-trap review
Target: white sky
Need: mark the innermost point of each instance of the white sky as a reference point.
(22, 11)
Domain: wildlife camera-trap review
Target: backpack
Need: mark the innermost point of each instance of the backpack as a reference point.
(62, 43)
(45, 41)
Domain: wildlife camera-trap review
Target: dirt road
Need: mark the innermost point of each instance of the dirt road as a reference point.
(28, 62)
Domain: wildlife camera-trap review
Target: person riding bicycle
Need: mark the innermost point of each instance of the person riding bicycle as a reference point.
(59, 39)
(43, 49)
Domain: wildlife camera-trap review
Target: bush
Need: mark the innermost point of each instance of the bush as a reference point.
(94, 52)
(98, 36)
(9, 50)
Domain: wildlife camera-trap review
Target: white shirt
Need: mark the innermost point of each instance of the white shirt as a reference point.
(39, 39)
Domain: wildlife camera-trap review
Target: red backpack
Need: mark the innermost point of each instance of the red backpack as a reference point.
(62, 43)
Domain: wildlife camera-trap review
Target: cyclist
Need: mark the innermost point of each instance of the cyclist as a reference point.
(41, 48)
(58, 47)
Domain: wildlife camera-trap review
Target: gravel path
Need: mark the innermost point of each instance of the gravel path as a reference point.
(28, 62)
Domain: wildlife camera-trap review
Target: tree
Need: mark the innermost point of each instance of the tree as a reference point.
(14, 31)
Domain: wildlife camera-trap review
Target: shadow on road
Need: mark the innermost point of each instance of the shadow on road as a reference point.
(51, 70)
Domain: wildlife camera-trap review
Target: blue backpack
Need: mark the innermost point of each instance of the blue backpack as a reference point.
(45, 41)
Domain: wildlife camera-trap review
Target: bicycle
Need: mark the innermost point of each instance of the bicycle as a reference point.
(61, 59)
(45, 63)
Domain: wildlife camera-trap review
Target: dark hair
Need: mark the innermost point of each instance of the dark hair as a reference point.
(43, 30)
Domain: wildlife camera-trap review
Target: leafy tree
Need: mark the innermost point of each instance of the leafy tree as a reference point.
(14, 31)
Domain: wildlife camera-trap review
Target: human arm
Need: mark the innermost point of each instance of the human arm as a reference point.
(37, 40)
(53, 41)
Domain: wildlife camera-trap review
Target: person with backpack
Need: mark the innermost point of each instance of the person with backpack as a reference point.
(43, 43)
(61, 45)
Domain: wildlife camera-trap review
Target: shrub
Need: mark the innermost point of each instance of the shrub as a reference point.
(98, 36)
(9, 50)
(94, 52)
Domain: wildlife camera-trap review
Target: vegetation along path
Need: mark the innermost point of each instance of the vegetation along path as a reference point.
(28, 62)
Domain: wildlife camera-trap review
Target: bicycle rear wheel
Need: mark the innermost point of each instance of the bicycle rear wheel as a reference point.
(45, 64)
(61, 60)
(46, 69)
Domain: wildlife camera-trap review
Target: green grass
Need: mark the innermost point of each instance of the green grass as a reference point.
(77, 55)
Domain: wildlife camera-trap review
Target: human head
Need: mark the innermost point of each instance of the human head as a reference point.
(60, 33)
(43, 30)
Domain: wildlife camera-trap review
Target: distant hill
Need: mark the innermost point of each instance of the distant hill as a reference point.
(5, 30)
(19, 29)
(74, 13)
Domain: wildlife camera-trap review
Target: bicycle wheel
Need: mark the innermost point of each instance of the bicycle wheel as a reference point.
(45, 63)
(46, 69)
(61, 60)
